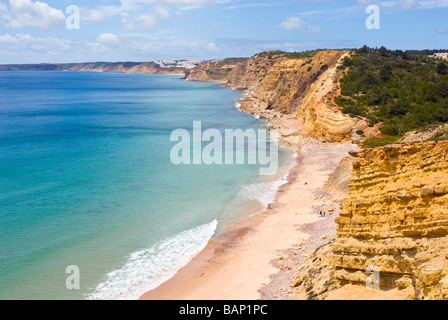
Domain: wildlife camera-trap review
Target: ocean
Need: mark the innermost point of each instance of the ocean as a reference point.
(86, 180)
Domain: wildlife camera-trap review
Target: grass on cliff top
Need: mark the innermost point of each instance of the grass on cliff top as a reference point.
(290, 55)
(374, 142)
(401, 90)
(229, 61)
(219, 70)
(217, 73)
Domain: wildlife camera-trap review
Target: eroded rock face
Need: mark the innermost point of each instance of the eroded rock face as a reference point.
(395, 219)
(339, 179)
(298, 88)
(247, 76)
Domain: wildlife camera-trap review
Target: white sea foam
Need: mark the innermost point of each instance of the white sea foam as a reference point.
(264, 192)
(238, 106)
(147, 269)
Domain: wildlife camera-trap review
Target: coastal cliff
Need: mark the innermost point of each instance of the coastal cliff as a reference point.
(158, 67)
(394, 215)
(299, 88)
(395, 218)
(143, 68)
(284, 85)
(394, 212)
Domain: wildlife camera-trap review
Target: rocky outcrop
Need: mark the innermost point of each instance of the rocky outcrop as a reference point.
(395, 221)
(338, 181)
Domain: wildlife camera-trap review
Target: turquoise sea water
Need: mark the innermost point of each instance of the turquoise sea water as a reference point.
(86, 180)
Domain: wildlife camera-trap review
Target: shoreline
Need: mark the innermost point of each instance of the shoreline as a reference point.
(243, 262)
(246, 262)
(215, 251)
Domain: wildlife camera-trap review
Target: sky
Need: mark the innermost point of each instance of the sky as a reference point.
(48, 31)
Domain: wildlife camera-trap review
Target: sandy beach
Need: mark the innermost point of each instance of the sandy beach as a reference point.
(246, 262)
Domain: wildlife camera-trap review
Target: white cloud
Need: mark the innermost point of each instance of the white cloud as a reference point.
(314, 29)
(366, 2)
(433, 4)
(145, 14)
(128, 5)
(11, 44)
(7, 39)
(141, 21)
(162, 12)
(212, 46)
(406, 4)
(190, 7)
(92, 15)
(442, 30)
(312, 13)
(252, 5)
(140, 47)
(292, 23)
(110, 11)
(36, 14)
(107, 38)
(189, 2)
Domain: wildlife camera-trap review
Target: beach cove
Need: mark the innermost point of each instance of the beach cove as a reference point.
(245, 262)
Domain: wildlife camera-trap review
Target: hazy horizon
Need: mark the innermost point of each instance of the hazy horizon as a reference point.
(212, 59)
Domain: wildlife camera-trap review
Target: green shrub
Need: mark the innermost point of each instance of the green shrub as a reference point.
(403, 91)
(389, 130)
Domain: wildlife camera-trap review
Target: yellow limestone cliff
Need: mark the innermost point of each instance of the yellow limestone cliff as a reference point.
(299, 88)
(279, 85)
(394, 217)
(395, 221)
